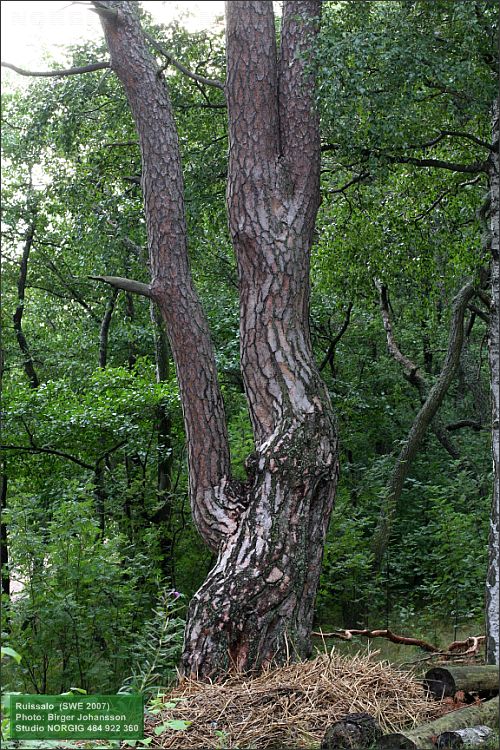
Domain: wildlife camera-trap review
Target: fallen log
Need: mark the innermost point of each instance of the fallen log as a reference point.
(352, 732)
(471, 737)
(421, 738)
(444, 682)
(469, 647)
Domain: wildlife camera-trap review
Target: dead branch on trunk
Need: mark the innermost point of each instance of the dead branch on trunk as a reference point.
(57, 73)
(129, 285)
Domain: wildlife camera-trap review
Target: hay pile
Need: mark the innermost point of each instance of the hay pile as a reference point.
(291, 706)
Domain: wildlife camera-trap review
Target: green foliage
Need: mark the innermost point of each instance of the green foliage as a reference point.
(71, 620)
(156, 653)
(7, 651)
(91, 535)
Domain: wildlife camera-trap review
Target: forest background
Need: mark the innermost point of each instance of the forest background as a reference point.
(95, 516)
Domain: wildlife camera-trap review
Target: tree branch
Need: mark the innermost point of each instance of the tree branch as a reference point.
(480, 313)
(64, 281)
(474, 424)
(455, 134)
(182, 68)
(474, 168)
(49, 451)
(331, 349)
(358, 178)
(129, 285)
(421, 423)
(57, 73)
(411, 371)
(346, 635)
(214, 509)
(448, 191)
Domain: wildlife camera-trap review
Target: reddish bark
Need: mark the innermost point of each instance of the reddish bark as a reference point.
(257, 602)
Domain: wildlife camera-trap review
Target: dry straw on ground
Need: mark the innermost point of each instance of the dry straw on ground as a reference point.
(291, 706)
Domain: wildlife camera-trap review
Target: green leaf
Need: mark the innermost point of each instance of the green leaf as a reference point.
(7, 651)
(178, 725)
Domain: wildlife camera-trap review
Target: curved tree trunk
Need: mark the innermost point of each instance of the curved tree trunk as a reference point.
(258, 600)
(257, 603)
(412, 372)
(420, 425)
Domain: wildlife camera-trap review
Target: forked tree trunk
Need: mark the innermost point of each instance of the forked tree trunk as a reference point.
(257, 602)
(261, 592)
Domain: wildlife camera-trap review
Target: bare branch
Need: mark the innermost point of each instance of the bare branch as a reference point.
(49, 451)
(182, 68)
(129, 285)
(474, 168)
(346, 635)
(472, 423)
(57, 73)
(358, 178)
(331, 349)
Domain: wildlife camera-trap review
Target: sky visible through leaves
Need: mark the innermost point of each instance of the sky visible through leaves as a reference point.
(31, 30)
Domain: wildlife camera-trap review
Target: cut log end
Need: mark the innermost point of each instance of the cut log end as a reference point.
(444, 682)
(396, 741)
(440, 683)
(352, 732)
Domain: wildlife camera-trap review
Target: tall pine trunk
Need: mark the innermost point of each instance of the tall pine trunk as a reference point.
(493, 576)
(269, 532)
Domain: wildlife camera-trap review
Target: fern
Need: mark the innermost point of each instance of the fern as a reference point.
(156, 654)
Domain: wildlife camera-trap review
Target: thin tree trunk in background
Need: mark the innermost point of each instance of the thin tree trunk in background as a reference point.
(412, 373)
(4, 538)
(4, 548)
(27, 359)
(132, 344)
(104, 331)
(163, 516)
(493, 575)
(420, 425)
